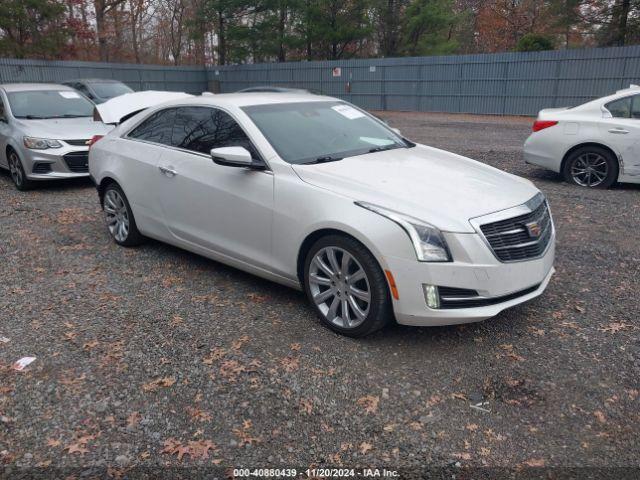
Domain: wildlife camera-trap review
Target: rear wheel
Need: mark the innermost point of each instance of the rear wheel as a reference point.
(591, 167)
(346, 286)
(119, 217)
(16, 169)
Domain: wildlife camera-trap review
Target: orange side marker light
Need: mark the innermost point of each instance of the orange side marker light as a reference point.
(392, 285)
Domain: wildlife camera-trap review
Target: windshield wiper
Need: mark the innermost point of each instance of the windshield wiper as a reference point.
(33, 117)
(385, 147)
(325, 159)
(70, 115)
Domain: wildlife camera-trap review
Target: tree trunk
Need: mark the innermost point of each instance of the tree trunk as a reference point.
(222, 40)
(103, 50)
(281, 31)
(625, 6)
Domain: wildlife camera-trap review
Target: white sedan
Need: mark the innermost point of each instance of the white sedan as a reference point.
(593, 145)
(316, 194)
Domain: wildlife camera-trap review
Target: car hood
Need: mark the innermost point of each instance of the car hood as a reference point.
(64, 128)
(114, 109)
(441, 188)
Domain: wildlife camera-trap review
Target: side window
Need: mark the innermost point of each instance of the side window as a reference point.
(157, 128)
(3, 113)
(620, 108)
(635, 107)
(202, 128)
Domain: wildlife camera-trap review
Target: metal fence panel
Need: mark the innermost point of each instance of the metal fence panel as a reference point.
(503, 83)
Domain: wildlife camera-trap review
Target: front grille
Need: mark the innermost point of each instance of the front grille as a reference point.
(41, 167)
(78, 162)
(510, 239)
(78, 143)
(463, 298)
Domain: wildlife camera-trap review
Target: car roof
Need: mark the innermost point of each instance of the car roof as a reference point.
(251, 99)
(25, 87)
(93, 80)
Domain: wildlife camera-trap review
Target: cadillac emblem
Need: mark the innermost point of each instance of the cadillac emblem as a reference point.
(533, 229)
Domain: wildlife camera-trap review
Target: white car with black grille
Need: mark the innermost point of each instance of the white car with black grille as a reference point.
(316, 194)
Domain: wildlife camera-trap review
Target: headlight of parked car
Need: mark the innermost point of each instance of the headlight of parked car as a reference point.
(428, 242)
(40, 143)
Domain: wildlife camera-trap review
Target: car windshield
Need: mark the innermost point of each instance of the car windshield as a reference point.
(109, 89)
(37, 104)
(313, 132)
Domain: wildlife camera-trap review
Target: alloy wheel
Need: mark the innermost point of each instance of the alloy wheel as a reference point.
(339, 287)
(590, 169)
(116, 215)
(15, 169)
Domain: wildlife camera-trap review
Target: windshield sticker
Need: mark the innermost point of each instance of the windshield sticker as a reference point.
(378, 142)
(69, 94)
(348, 112)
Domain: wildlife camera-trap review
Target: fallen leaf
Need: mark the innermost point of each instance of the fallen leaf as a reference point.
(154, 385)
(615, 327)
(535, 462)
(365, 447)
(369, 403)
(600, 416)
(133, 419)
(306, 406)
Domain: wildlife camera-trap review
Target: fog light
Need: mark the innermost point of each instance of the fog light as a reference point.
(431, 296)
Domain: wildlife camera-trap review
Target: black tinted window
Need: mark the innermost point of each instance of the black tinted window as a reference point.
(201, 128)
(635, 107)
(157, 128)
(620, 108)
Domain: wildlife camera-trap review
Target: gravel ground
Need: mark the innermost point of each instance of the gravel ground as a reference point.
(154, 356)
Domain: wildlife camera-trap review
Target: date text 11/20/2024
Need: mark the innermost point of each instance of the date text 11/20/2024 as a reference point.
(315, 472)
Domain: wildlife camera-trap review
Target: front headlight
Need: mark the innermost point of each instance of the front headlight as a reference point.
(428, 242)
(40, 143)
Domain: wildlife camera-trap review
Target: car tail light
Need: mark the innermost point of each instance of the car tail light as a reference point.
(94, 139)
(542, 124)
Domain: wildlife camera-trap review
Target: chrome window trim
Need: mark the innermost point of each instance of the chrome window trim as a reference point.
(125, 136)
(527, 207)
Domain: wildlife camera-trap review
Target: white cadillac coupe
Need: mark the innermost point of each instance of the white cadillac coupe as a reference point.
(316, 194)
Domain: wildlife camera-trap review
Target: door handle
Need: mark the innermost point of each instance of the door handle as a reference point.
(168, 171)
(620, 131)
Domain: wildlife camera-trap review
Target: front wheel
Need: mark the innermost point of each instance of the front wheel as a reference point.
(119, 217)
(592, 167)
(346, 286)
(18, 175)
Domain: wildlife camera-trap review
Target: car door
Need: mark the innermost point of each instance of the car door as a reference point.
(223, 209)
(4, 133)
(139, 153)
(622, 131)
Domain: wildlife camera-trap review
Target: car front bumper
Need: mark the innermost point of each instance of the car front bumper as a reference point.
(476, 269)
(55, 160)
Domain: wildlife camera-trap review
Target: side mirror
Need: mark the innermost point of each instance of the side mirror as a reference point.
(232, 157)
(397, 131)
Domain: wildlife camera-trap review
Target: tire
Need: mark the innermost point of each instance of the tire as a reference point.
(17, 172)
(591, 167)
(119, 218)
(324, 286)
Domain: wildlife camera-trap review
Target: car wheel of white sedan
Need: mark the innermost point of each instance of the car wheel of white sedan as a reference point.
(119, 217)
(346, 286)
(592, 167)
